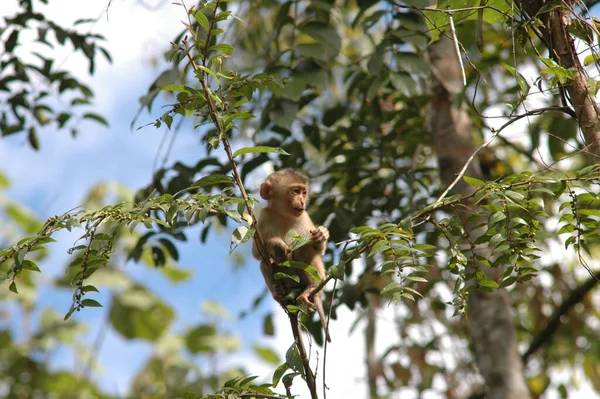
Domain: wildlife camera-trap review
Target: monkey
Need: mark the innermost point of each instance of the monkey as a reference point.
(286, 193)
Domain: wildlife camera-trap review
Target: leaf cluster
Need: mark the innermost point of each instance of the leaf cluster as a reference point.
(30, 84)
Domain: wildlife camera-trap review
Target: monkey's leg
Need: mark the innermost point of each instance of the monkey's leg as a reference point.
(277, 290)
(303, 298)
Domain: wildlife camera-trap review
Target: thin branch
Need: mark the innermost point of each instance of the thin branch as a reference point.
(455, 41)
(310, 377)
(553, 322)
(325, 341)
(495, 134)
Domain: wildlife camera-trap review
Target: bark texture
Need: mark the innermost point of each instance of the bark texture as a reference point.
(491, 321)
(561, 47)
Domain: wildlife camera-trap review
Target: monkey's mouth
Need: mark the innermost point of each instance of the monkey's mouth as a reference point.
(299, 210)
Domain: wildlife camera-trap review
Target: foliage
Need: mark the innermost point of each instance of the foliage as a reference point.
(31, 84)
(340, 91)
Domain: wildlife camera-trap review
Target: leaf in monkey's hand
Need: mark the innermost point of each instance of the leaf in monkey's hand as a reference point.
(296, 241)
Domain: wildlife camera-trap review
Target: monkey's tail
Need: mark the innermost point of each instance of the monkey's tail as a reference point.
(321, 311)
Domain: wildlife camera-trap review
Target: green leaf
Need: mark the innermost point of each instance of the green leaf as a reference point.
(293, 359)
(417, 293)
(591, 59)
(176, 274)
(29, 265)
(69, 313)
(266, 354)
(4, 182)
(226, 48)
(296, 241)
(322, 32)
(567, 228)
(201, 19)
(170, 247)
(391, 287)
(379, 246)
(471, 181)
(91, 303)
(283, 113)
(413, 63)
(496, 217)
(524, 86)
(279, 372)
(318, 50)
(209, 71)
(279, 276)
(89, 288)
(415, 279)
(96, 118)
(404, 84)
(261, 149)
(268, 328)
(240, 235)
(175, 87)
(13, 287)
(201, 339)
(138, 313)
(212, 180)
(11, 42)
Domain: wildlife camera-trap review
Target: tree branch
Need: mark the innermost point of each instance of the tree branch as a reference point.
(553, 322)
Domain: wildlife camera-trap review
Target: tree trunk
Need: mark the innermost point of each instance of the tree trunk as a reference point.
(561, 48)
(492, 329)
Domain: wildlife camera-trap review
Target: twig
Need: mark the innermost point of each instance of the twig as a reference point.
(495, 134)
(455, 41)
(553, 322)
(325, 344)
(466, 165)
(310, 377)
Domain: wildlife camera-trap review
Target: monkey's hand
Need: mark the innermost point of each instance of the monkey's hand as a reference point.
(320, 235)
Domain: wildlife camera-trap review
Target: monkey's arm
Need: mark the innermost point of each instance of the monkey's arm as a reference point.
(255, 251)
(277, 251)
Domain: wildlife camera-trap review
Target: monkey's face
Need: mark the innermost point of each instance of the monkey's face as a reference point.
(297, 195)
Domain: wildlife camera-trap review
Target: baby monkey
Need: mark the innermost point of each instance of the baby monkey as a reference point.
(287, 194)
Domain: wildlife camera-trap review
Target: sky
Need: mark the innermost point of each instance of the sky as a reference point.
(58, 177)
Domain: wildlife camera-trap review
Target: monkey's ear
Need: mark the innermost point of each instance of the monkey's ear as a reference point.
(265, 191)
